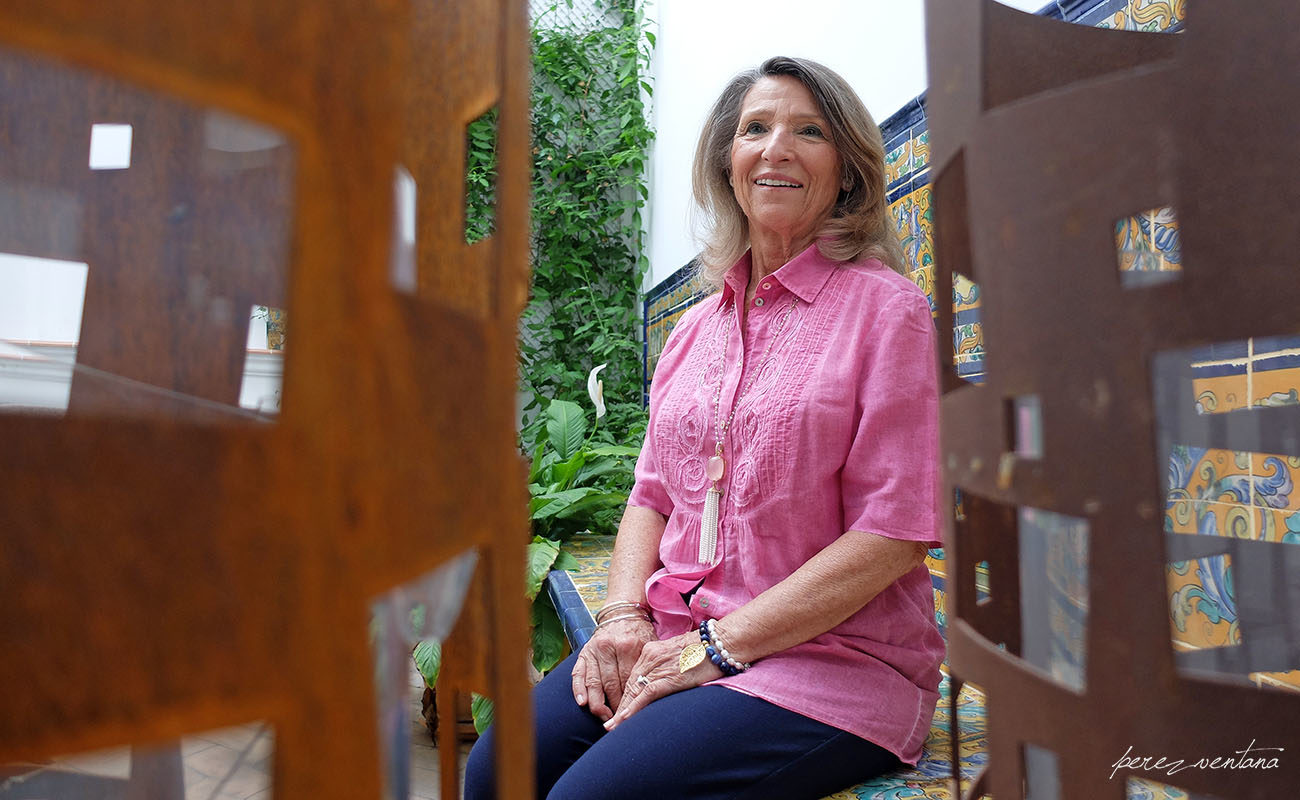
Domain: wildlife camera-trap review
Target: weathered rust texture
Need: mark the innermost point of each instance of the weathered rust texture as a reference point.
(1043, 135)
(169, 567)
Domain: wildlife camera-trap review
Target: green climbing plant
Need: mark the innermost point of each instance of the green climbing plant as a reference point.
(590, 143)
(590, 140)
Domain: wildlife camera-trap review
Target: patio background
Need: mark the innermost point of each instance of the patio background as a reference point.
(1217, 492)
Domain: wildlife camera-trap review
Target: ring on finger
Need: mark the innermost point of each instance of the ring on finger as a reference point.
(642, 681)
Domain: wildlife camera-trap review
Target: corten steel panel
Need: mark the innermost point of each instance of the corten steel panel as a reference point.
(1045, 134)
(166, 572)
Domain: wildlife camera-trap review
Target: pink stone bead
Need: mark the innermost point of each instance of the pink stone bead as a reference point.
(714, 468)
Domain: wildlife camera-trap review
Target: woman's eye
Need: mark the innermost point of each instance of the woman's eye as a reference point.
(754, 127)
(812, 130)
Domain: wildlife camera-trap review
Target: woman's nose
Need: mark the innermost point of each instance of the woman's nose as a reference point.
(779, 144)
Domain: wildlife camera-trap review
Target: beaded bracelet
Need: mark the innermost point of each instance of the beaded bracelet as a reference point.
(608, 607)
(717, 653)
(600, 625)
(722, 649)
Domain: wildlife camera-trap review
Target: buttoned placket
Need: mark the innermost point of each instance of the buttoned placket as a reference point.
(742, 341)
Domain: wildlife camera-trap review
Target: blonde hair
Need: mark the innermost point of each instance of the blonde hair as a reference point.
(859, 224)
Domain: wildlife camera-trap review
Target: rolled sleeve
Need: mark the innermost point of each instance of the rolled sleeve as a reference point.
(648, 491)
(890, 481)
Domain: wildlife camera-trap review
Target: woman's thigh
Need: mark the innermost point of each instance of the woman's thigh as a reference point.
(562, 729)
(712, 743)
(707, 743)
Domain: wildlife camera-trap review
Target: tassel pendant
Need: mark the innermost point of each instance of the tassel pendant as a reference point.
(709, 527)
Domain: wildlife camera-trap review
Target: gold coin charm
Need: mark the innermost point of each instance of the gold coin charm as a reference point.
(692, 656)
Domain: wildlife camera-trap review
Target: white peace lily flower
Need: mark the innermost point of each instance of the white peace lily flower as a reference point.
(596, 391)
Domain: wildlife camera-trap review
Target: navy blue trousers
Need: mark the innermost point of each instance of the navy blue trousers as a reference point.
(706, 743)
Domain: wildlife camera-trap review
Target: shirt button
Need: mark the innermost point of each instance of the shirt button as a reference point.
(704, 603)
(767, 285)
(758, 301)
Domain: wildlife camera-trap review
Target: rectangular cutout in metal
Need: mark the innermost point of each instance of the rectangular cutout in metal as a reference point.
(110, 146)
(1232, 513)
(481, 177)
(1147, 248)
(1042, 773)
(1148, 789)
(1054, 594)
(983, 593)
(403, 273)
(407, 626)
(1024, 425)
(263, 381)
(233, 762)
(41, 304)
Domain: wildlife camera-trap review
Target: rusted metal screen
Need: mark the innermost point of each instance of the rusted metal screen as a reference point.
(169, 561)
(1044, 135)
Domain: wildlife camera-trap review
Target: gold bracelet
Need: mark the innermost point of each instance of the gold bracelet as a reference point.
(645, 617)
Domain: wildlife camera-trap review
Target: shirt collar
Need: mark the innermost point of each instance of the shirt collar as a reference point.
(804, 275)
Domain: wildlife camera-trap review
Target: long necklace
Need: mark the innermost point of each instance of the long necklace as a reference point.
(717, 465)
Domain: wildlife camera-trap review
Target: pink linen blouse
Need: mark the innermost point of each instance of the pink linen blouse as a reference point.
(838, 431)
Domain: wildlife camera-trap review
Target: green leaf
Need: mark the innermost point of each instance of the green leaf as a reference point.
(553, 503)
(535, 469)
(615, 450)
(428, 660)
(591, 503)
(566, 427)
(562, 474)
(541, 555)
(548, 635)
(482, 710)
(566, 560)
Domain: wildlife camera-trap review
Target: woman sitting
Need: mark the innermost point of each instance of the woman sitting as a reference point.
(769, 631)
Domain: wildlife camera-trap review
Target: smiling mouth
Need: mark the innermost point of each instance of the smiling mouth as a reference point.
(776, 183)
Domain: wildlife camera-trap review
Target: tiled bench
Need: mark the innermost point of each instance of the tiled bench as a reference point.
(577, 593)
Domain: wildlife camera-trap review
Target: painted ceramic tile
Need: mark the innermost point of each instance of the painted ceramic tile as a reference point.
(898, 162)
(1130, 245)
(1202, 474)
(1275, 387)
(657, 336)
(965, 293)
(276, 328)
(1274, 481)
(1236, 520)
(982, 580)
(918, 245)
(934, 561)
(1220, 393)
(1274, 525)
(1146, 15)
(1288, 681)
(1202, 603)
(1270, 346)
(921, 149)
(968, 339)
(900, 213)
(924, 278)
(1149, 242)
(941, 609)
(928, 780)
(1143, 789)
(971, 367)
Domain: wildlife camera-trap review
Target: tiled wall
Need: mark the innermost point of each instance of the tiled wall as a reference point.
(1247, 495)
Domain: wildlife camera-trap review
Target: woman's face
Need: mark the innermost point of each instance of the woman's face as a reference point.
(784, 169)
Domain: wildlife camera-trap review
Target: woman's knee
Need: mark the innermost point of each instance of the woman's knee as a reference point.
(480, 770)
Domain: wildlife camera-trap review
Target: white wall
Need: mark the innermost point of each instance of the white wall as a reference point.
(877, 45)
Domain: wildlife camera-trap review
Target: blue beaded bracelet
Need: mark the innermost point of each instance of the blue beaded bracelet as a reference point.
(717, 653)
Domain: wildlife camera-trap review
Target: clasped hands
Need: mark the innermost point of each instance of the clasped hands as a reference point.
(624, 667)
